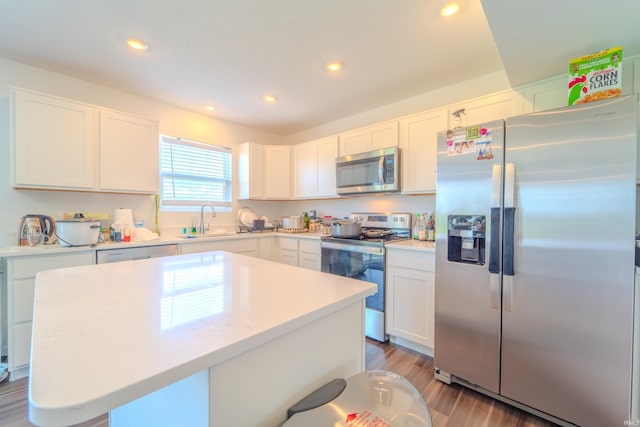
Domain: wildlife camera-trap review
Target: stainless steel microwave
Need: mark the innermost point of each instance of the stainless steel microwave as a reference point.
(374, 171)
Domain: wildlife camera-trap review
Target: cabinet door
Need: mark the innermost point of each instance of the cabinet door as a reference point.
(266, 248)
(23, 296)
(356, 141)
(418, 141)
(288, 257)
(383, 135)
(305, 165)
(277, 173)
(373, 137)
(486, 109)
(21, 346)
(250, 171)
(247, 246)
(327, 153)
(410, 294)
(546, 95)
(129, 149)
(53, 142)
(309, 254)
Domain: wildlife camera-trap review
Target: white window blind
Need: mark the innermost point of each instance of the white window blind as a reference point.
(192, 173)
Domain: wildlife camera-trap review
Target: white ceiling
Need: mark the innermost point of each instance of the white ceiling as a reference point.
(231, 52)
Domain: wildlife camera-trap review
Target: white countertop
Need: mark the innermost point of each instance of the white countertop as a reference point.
(106, 334)
(13, 251)
(414, 245)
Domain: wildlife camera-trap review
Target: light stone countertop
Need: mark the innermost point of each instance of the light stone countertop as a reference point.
(16, 251)
(413, 245)
(104, 335)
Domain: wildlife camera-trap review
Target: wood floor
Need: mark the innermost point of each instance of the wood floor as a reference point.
(450, 406)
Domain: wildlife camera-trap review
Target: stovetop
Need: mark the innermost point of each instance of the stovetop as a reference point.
(361, 240)
(397, 224)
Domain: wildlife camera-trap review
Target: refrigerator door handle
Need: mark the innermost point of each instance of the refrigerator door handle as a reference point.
(509, 185)
(508, 245)
(507, 292)
(494, 283)
(496, 180)
(494, 242)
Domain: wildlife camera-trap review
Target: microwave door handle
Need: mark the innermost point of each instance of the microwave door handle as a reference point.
(381, 177)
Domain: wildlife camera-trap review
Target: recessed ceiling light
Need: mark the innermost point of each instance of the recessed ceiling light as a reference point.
(209, 107)
(450, 9)
(334, 66)
(269, 98)
(137, 44)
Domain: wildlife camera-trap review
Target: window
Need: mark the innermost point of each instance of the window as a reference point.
(192, 173)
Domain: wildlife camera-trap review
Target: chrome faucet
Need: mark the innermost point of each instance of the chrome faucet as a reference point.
(213, 214)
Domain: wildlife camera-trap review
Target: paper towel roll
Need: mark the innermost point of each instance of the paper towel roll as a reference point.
(123, 217)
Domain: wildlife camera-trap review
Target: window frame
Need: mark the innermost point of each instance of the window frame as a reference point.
(222, 176)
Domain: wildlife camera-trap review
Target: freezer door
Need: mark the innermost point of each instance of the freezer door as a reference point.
(467, 316)
(568, 318)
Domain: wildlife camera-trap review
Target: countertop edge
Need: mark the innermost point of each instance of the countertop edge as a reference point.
(20, 251)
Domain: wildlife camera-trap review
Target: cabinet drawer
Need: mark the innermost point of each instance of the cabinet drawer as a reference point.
(310, 246)
(425, 261)
(289, 243)
(29, 266)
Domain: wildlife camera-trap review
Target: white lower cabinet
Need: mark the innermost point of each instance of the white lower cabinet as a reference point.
(410, 295)
(309, 252)
(299, 252)
(288, 250)
(247, 246)
(267, 248)
(21, 280)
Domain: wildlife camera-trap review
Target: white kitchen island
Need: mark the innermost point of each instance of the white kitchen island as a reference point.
(210, 339)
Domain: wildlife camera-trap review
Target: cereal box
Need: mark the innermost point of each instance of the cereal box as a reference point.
(595, 77)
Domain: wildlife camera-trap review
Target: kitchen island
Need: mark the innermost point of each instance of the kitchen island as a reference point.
(201, 340)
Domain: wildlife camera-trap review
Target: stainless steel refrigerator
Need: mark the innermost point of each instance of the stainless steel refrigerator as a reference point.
(536, 220)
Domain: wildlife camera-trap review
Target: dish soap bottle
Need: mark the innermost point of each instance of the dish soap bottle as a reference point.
(306, 220)
(416, 227)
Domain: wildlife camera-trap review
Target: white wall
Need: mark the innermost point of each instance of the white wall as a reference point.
(339, 208)
(173, 121)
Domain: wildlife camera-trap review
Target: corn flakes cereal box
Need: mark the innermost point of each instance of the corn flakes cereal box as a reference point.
(595, 77)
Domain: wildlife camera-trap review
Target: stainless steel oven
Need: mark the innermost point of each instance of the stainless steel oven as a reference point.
(364, 259)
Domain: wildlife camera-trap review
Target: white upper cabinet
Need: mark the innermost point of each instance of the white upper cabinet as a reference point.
(418, 150)
(381, 135)
(264, 171)
(128, 153)
(53, 142)
(250, 171)
(314, 168)
(486, 109)
(65, 145)
(277, 168)
(545, 95)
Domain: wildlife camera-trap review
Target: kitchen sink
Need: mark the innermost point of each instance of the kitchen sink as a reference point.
(209, 234)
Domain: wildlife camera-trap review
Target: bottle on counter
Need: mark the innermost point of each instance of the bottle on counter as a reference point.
(431, 227)
(422, 228)
(416, 227)
(306, 220)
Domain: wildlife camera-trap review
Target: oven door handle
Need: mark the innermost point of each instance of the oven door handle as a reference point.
(354, 248)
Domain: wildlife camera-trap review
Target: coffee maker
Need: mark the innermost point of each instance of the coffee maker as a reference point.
(36, 229)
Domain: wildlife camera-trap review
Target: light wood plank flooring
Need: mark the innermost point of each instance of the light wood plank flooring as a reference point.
(450, 406)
